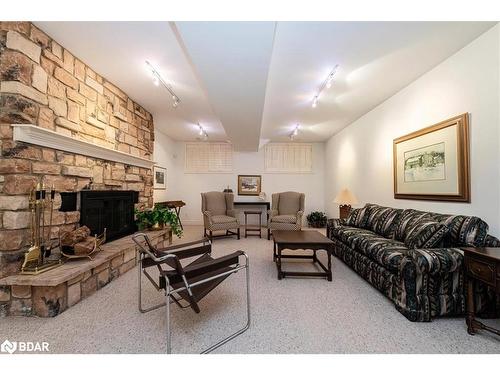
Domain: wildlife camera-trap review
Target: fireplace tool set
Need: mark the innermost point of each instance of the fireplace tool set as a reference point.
(36, 260)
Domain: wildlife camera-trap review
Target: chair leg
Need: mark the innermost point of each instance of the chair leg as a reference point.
(211, 236)
(268, 234)
(142, 309)
(238, 233)
(230, 337)
(169, 334)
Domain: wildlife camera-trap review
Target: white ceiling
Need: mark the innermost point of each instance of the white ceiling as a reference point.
(251, 82)
(376, 60)
(232, 59)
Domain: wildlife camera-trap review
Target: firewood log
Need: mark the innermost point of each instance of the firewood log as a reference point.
(73, 237)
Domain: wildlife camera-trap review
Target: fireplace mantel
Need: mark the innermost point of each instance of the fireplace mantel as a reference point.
(47, 138)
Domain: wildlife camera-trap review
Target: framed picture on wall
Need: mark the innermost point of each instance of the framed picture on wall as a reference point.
(433, 163)
(160, 178)
(249, 184)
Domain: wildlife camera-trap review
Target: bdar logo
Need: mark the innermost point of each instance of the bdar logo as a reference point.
(8, 347)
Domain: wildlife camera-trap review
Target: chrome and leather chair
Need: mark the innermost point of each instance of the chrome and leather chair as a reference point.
(219, 214)
(186, 285)
(286, 212)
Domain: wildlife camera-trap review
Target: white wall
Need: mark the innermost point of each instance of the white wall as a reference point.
(165, 154)
(188, 186)
(360, 156)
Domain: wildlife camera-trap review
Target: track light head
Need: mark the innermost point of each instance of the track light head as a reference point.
(327, 83)
(157, 79)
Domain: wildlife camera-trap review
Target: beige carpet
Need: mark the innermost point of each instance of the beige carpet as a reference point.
(347, 315)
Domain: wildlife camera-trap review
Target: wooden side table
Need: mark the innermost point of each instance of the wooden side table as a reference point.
(253, 229)
(175, 205)
(481, 264)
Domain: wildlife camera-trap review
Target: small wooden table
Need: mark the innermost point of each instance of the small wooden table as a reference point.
(176, 205)
(481, 264)
(305, 240)
(266, 204)
(249, 229)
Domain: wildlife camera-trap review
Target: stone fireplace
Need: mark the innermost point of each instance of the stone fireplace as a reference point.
(81, 131)
(44, 84)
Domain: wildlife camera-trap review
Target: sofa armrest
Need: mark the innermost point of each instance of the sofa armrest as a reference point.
(491, 241)
(331, 224)
(299, 216)
(207, 217)
(335, 223)
(435, 261)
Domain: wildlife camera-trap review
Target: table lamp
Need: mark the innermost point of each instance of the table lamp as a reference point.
(345, 199)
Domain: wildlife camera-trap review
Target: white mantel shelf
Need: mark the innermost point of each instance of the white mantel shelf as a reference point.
(47, 138)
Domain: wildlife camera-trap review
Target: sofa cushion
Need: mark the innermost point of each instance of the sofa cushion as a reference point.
(218, 219)
(383, 220)
(358, 217)
(463, 230)
(284, 219)
(425, 234)
(386, 252)
(349, 235)
(407, 221)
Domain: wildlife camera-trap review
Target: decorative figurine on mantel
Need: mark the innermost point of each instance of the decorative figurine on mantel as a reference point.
(36, 259)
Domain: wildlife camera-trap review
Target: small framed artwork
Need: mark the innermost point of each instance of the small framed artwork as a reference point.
(249, 184)
(160, 178)
(433, 163)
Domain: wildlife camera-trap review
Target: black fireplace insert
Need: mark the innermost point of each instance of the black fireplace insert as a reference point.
(110, 209)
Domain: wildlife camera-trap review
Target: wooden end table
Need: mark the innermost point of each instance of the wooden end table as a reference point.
(304, 240)
(249, 229)
(175, 205)
(481, 264)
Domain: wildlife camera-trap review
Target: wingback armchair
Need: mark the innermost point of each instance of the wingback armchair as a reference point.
(219, 213)
(286, 212)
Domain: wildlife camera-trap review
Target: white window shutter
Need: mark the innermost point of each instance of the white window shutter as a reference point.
(288, 158)
(208, 157)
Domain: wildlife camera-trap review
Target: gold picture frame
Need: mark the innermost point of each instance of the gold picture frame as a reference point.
(433, 163)
(249, 184)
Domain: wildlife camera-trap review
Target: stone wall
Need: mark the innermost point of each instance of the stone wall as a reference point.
(44, 84)
(51, 293)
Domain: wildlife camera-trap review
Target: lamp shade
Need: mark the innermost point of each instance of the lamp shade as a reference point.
(345, 197)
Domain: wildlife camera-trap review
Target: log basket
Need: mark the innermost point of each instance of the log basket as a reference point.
(98, 241)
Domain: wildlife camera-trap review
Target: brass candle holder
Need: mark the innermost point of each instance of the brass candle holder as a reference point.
(36, 258)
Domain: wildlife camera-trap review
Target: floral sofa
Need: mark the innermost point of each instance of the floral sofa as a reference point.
(411, 256)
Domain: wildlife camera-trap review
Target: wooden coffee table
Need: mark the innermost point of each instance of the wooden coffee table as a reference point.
(304, 240)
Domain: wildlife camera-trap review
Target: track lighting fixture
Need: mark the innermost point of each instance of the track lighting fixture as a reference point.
(327, 83)
(157, 79)
(202, 132)
(295, 132)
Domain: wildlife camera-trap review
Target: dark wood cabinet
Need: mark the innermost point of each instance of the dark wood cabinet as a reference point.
(482, 264)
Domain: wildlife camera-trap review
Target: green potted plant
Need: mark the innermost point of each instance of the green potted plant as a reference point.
(157, 218)
(316, 219)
